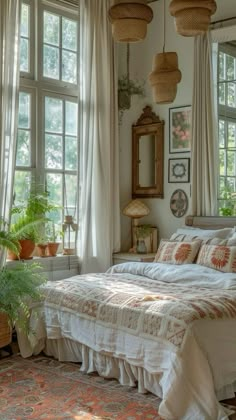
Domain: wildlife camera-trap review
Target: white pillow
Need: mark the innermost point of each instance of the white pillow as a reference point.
(224, 233)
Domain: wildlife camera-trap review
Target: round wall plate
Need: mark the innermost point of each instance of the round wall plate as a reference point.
(179, 203)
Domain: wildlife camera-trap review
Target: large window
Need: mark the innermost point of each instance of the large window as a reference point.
(47, 143)
(227, 128)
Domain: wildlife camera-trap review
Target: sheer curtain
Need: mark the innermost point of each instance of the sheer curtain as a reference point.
(9, 74)
(99, 149)
(204, 132)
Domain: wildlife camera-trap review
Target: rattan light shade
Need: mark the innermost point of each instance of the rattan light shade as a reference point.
(136, 209)
(129, 20)
(192, 17)
(165, 77)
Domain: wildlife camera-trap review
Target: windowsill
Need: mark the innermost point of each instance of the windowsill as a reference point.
(58, 267)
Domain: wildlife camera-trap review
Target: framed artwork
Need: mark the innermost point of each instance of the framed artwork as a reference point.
(179, 203)
(179, 170)
(180, 129)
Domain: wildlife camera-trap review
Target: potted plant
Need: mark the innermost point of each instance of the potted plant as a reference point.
(28, 222)
(142, 232)
(19, 286)
(53, 235)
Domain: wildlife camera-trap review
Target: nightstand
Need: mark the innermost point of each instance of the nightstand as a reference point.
(122, 257)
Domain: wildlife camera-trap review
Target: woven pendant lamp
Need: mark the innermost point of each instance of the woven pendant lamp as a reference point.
(129, 20)
(165, 77)
(192, 17)
(165, 73)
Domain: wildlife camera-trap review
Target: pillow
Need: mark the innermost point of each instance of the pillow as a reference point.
(224, 233)
(219, 257)
(172, 252)
(178, 237)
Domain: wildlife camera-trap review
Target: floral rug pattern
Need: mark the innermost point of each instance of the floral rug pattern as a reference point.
(42, 388)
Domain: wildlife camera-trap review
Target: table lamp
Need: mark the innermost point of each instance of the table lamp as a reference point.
(135, 209)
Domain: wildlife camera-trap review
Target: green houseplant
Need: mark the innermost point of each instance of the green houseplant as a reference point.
(19, 286)
(142, 232)
(28, 222)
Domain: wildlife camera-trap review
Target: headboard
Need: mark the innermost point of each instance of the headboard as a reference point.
(210, 222)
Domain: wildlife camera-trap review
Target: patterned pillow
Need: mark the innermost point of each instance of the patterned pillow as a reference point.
(172, 252)
(219, 257)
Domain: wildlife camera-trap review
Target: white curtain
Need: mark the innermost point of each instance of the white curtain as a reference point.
(9, 74)
(99, 150)
(204, 132)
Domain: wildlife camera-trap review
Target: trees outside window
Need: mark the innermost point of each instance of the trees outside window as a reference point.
(227, 128)
(47, 141)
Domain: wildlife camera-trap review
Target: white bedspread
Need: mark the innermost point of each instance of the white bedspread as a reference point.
(171, 352)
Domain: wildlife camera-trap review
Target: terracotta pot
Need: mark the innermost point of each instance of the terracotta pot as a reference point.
(27, 248)
(52, 248)
(41, 250)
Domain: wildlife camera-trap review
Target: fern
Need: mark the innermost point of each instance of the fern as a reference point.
(19, 288)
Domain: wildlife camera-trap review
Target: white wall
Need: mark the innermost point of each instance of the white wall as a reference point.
(141, 56)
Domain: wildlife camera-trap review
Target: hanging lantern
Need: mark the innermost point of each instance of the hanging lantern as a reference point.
(192, 17)
(129, 20)
(70, 232)
(164, 77)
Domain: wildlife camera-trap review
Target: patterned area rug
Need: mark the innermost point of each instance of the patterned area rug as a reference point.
(42, 388)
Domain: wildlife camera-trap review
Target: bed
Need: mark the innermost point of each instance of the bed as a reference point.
(163, 327)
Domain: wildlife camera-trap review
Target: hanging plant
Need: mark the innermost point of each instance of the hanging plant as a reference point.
(127, 88)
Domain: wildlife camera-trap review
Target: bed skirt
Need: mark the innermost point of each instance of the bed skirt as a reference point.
(66, 350)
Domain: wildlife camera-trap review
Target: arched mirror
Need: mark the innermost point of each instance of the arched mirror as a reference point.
(147, 155)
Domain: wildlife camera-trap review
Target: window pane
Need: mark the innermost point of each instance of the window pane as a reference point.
(69, 34)
(231, 163)
(71, 118)
(70, 191)
(232, 135)
(221, 66)
(51, 62)
(222, 162)
(23, 148)
(231, 100)
(51, 29)
(230, 67)
(69, 67)
(21, 186)
(221, 133)
(71, 153)
(221, 98)
(54, 187)
(24, 55)
(53, 115)
(24, 110)
(24, 28)
(53, 152)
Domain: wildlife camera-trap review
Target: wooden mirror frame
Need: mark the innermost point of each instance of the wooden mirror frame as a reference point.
(148, 124)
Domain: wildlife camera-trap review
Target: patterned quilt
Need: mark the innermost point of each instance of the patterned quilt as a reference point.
(140, 305)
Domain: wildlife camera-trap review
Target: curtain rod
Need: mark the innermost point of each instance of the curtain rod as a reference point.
(223, 20)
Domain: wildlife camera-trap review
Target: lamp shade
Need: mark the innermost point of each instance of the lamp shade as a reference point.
(129, 20)
(136, 209)
(164, 77)
(192, 17)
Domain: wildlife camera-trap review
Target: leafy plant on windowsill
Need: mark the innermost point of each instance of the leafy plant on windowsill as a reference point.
(127, 88)
(228, 209)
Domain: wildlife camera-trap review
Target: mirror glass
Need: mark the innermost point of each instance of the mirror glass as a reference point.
(147, 160)
(147, 155)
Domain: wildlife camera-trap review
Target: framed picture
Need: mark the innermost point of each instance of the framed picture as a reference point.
(180, 129)
(179, 170)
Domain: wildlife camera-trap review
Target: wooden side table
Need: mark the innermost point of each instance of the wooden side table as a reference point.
(121, 257)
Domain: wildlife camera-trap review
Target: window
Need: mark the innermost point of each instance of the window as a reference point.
(227, 128)
(47, 142)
